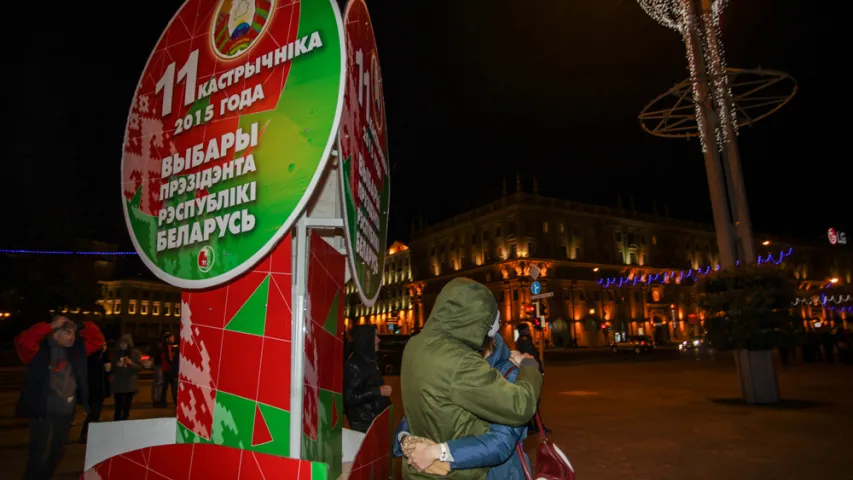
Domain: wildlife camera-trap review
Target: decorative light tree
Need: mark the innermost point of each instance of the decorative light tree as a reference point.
(723, 295)
(698, 22)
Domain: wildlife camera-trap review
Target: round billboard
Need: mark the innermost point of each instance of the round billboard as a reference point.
(365, 173)
(231, 126)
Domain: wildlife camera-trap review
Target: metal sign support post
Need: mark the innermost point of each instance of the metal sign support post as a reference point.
(323, 213)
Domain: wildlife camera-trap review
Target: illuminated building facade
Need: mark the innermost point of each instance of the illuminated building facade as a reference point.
(612, 271)
(142, 308)
(393, 311)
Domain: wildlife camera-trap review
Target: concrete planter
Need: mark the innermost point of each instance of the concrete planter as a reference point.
(757, 376)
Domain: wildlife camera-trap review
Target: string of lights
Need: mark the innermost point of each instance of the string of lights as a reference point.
(700, 31)
(823, 299)
(61, 252)
(681, 275)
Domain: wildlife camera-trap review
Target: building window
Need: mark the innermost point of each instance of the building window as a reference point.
(632, 258)
(575, 231)
(642, 239)
(453, 245)
(515, 294)
(654, 240)
(630, 238)
(497, 231)
(618, 236)
(177, 309)
(485, 236)
(131, 308)
(544, 227)
(432, 252)
(156, 309)
(144, 309)
(474, 239)
(580, 295)
(643, 260)
(619, 256)
(117, 308)
(562, 227)
(577, 253)
(168, 309)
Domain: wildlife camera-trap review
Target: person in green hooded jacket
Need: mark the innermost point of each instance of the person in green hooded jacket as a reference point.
(449, 391)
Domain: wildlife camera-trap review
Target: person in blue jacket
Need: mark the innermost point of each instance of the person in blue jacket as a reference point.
(495, 449)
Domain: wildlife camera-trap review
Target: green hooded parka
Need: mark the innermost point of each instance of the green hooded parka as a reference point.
(449, 391)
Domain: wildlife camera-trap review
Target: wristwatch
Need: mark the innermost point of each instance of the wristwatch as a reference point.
(444, 454)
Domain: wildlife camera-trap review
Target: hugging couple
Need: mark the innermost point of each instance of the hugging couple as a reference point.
(467, 398)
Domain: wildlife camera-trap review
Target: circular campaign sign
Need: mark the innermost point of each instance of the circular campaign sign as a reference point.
(365, 175)
(231, 126)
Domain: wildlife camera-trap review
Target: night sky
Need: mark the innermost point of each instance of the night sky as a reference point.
(475, 91)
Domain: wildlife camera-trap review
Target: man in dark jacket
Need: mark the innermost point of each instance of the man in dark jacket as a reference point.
(99, 388)
(57, 380)
(365, 392)
(169, 358)
(524, 344)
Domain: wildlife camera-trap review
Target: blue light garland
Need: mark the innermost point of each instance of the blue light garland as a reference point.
(682, 274)
(59, 252)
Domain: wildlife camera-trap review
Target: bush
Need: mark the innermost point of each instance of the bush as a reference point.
(748, 308)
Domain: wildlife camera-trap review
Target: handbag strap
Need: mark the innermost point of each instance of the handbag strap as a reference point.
(525, 468)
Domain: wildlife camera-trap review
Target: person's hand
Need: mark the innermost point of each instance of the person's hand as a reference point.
(423, 456)
(515, 357)
(58, 322)
(385, 390)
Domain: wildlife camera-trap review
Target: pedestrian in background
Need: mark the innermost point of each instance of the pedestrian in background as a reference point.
(127, 362)
(169, 366)
(99, 388)
(524, 344)
(365, 392)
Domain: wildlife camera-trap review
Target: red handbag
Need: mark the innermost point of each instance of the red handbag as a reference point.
(551, 462)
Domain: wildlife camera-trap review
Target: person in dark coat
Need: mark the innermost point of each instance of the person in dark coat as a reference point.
(365, 392)
(99, 388)
(524, 344)
(169, 362)
(57, 380)
(126, 365)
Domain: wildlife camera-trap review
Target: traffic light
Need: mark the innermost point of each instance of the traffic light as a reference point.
(537, 323)
(544, 311)
(529, 309)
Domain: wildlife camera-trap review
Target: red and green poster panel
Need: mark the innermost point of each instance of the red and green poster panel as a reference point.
(232, 123)
(365, 173)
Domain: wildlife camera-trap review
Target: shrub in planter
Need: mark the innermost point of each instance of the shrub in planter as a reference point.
(749, 310)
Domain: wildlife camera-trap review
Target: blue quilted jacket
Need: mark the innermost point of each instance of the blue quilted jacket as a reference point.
(495, 449)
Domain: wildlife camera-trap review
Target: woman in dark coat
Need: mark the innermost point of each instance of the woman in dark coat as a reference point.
(365, 392)
(127, 362)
